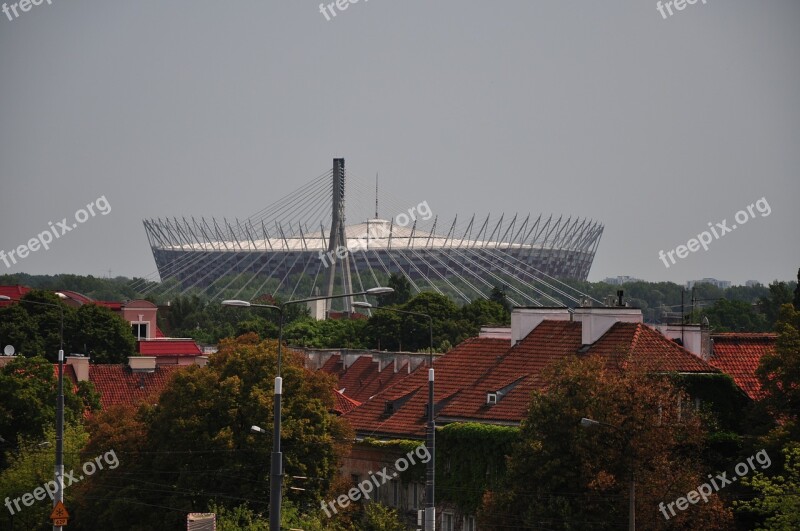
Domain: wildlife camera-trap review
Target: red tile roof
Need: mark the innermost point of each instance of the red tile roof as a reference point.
(478, 366)
(636, 344)
(455, 371)
(343, 403)
(117, 384)
(362, 379)
(181, 347)
(738, 354)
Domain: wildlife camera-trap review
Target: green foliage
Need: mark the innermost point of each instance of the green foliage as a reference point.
(780, 293)
(103, 335)
(28, 390)
(33, 326)
(239, 518)
(400, 448)
(470, 459)
(378, 517)
(779, 373)
(402, 290)
(733, 316)
(796, 299)
(31, 466)
(195, 445)
(101, 289)
(562, 475)
(330, 333)
(498, 295)
(777, 500)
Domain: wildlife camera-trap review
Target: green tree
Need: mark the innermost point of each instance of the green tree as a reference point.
(31, 465)
(777, 499)
(378, 517)
(402, 290)
(498, 295)
(197, 444)
(779, 294)
(779, 373)
(33, 326)
(102, 335)
(562, 475)
(28, 390)
(733, 316)
(482, 312)
(796, 300)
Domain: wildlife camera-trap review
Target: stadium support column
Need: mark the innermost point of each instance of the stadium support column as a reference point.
(338, 239)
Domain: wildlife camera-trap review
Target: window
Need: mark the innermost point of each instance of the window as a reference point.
(395, 494)
(447, 522)
(414, 495)
(491, 398)
(139, 330)
(469, 523)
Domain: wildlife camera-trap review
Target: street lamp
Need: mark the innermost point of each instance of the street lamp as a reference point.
(430, 479)
(276, 464)
(590, 423)
(59, 468)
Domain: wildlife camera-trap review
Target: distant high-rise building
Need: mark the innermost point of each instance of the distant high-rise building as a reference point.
(721, 284)
(622, 279)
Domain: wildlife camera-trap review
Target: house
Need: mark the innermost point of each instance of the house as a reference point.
(489, 379)
(142, 378)
(736, 354)
(143, 318)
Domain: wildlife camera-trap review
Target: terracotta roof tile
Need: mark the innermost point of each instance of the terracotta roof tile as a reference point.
(117, 384)
(638, 344)
(168, 348)
(478, 366)
(362, 379)
(455, 371)
(343, 403)
(738, 354)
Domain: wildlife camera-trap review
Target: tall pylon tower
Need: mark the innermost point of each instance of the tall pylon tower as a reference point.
(338, 239)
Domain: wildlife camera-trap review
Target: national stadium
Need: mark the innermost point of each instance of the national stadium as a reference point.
(301, 246)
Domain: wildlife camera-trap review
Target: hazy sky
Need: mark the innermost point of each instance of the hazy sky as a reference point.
(653, 126)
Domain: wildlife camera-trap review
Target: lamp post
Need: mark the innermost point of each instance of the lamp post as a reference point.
(589, 423)
(276, 463)
(430, 472)
(59, 468)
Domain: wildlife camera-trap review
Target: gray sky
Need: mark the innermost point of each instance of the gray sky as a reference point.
(606, 110)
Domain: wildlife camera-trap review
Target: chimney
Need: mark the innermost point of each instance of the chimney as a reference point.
(696, 338)
(596, 321)
(524, 320)
(80, 364)
(142, 363)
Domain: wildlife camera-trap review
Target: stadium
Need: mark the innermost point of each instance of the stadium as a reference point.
(301, 246)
